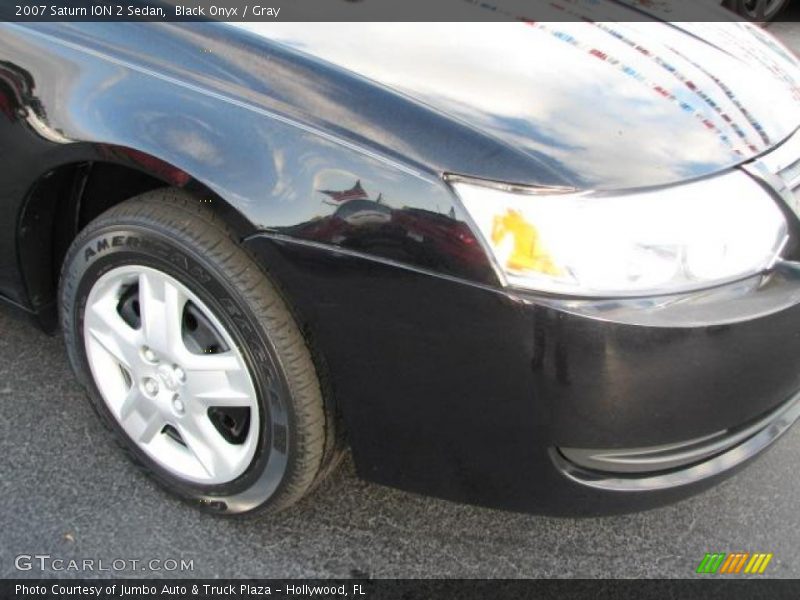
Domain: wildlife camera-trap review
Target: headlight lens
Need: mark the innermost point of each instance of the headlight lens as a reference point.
(650, 242)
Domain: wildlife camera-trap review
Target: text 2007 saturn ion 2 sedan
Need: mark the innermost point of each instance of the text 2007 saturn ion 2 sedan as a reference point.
(538, 266)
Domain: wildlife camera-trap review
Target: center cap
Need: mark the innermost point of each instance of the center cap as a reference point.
(171, 377)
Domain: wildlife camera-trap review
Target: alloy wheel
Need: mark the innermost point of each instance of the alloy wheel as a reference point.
(171, 375)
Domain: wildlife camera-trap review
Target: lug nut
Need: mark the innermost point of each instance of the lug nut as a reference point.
(151, 386)
(149, 355)
(177, 406)
(180, 374)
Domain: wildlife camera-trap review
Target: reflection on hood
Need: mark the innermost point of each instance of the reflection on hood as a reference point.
(611, 104)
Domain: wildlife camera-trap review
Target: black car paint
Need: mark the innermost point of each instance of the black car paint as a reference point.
(447, 383)
(461, 391)
(595, 106)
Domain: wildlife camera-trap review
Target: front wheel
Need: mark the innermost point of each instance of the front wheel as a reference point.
(192, 358)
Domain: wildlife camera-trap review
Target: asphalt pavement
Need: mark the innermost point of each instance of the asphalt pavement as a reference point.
(68, 492)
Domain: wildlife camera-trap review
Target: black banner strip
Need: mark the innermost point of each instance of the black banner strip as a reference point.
(705, 588)
(363, 10)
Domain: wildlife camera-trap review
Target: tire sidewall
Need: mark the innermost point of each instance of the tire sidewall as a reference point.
(114, 246)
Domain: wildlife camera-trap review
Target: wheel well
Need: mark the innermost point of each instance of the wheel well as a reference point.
(65, 200)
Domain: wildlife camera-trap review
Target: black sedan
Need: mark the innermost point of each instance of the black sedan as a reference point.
(549, 267)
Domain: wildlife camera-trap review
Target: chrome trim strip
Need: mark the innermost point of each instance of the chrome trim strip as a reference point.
(513, 188)
(652, 459)
(791, 174)
(773, 426)
(779, 169)
(665, 457)
(760, 172)
(784, 156)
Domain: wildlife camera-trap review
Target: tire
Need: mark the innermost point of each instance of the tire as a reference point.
(245, 425)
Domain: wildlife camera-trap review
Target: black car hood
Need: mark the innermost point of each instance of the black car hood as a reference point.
(609, 105)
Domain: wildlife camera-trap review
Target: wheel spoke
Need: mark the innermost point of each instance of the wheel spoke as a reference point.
(162, 306)
(224, 397)
(112, 333)
(140, 416)
(223, 362)
(218, 388)
(206, 445)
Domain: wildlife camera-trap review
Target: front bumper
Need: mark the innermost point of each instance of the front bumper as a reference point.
(478, 395)
(675, 465)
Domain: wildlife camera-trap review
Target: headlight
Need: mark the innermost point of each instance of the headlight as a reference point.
(650, 242)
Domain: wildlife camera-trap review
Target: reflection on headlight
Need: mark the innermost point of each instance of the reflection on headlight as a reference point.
(655, 241)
